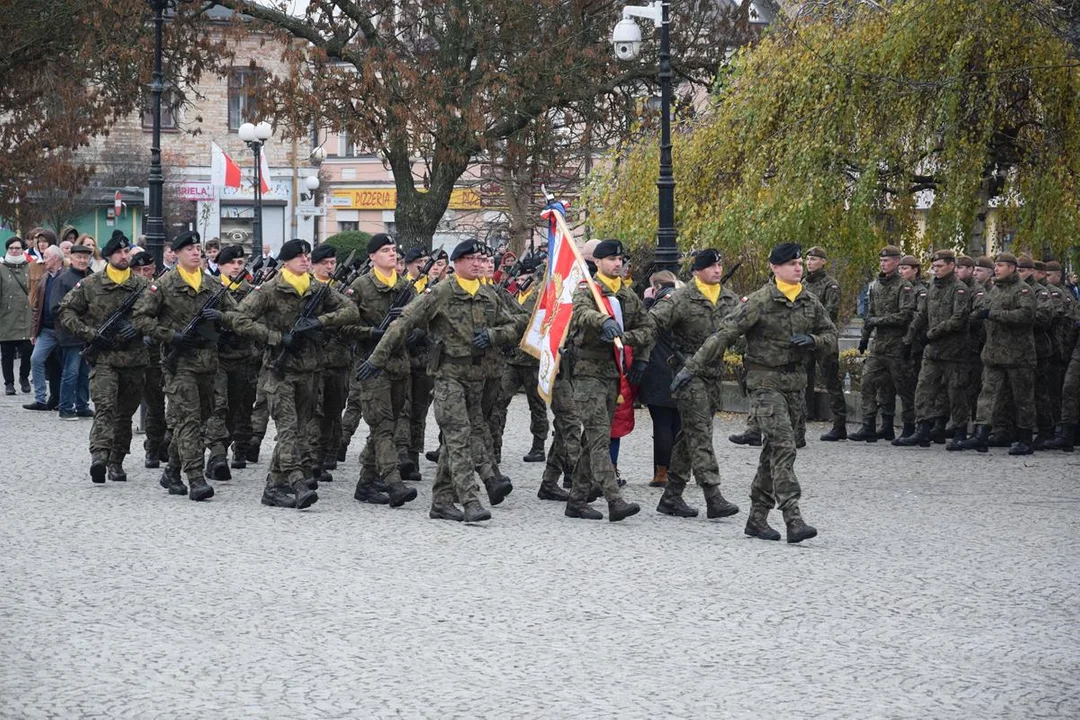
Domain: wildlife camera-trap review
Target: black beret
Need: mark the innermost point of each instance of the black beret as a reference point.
(465, 248)
(142, 259)
(118, 241)
(230, 253)
(81, 250)
(184, 239)
(294, 248)
(322, 252)
(415, 253)
(607, 248)
(440, 254)
(377, 241)
(706, 258)
(785, 252)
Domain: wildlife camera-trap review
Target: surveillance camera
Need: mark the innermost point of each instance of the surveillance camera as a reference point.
(626, 37)
(626, 50)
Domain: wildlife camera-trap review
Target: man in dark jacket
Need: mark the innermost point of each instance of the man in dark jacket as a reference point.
(43, 334)
(75, 375)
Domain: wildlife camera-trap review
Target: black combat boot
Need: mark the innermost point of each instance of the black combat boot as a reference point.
(999, 438)
(200, 489)
(342, 451)
(251, 452)
(1022, 445)
(414, 476)
(152, 460)
(536, 452)
(1045, 436)
(672, 503)
(550, 490)
(400, 493)
(907, 431)
(432, 455)
(978, 439)
(279, 496)
(305, 494)
(473, 511)
(239, 458)
(886, 432)
(578, 508)
(445, 510)
(366, 492)
(170, 480)
(920, 437)
(116, 472)
(619, 509)
(498, 488)
(866, 433)
(716, 505)
(757, 525)
(747, 437)
(956, 442)
(1064, 439)
(838, 431)
(406, 468)
(98, 462)
(937, 432)
(218, 468)
(330, 461)
(797, 530)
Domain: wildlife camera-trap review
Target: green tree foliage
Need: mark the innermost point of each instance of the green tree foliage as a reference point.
(827, 131)
(348, 241)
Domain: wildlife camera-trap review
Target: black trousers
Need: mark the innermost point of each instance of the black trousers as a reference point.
(8, 350)
(666, 425)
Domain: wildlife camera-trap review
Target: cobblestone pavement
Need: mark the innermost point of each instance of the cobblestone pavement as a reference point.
(942, 585)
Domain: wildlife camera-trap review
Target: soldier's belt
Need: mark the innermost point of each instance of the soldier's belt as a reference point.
(788, 367)
(587, 354)
(472, 360)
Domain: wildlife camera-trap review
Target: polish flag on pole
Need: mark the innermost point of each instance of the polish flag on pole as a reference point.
(223, 171)
(264, 172)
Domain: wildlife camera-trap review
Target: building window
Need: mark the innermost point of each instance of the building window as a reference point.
(169, 108)
(243, 94)
(348, 226)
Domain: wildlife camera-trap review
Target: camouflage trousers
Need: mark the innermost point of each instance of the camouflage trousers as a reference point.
(325, 426)
(291, 401)
(419, 402)
(998, 380)
(190, 402)
(974, 384)
(777, 413)
(566, 440)
(354, 406)
(260, 411)
(800, 423)
(884, 377)
(487, 462)
(234, 398)
(942, 392)
(1070, 391)
(154, 397)
(460, 417)
(385, 398)
(693, 451)
(513, 378)
(829, 365)
(1057, 381)
(596, 399)
(116, 392)
(1044, 414)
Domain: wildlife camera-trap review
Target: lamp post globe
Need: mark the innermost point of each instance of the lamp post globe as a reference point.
(246, 132)
(311, 182)
(263, 131)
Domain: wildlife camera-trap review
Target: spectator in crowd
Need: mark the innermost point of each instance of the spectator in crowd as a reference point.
(97, 263)
(43, 332)
(75, 376)
(69, 232)
(655, 389)
(505, 263)
(211, 250)
(168, 257)
(38, 244)
(65, 247)
(15, 315)
(1074, 288)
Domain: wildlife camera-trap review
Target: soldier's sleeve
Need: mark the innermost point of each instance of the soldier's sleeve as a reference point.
(417, 313)
(356, 330)
(247, 320)
(1044, 309)
(961, 311)
(337, 311)
(73, 308)
(908, 300)
(663, 313)
(1022, 314)
(824, 333)
(831, 301)
(642, 333)
(919, 325)
(585, 312)
(733, 327)
(510, 324)
(145, 315)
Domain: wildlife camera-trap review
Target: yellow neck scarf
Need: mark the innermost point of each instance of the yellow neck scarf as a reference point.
(116, 275)
(319, 279)
(300, 282)
(523, 296)
(421, 284)
(387, 280)
(712, 292)
(612, 284)
(194, 279)
(228, 282)
(469, 286)
(788, 290)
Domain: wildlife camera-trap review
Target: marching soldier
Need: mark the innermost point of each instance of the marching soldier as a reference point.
(119, 357)
(385, 396)
(325, 429)
(462, 320)
(162, 312)
(420, 384)
(689, 316)
(270, 315)
(826, 289)
(1044, 349)
(598, 369)
(891, 304)
(783, 324)
(153, 394)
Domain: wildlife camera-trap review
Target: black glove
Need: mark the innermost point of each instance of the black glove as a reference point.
(101, 342)
(803, 341)
(931, 335)
(863, 344)
(983, 314)
(907, 352)
(366, 370)
(306, 325)
(610, 330)
(481, 339)
(148, 341)
(126, 331)
(870, 323)
(183, 342)
(681, 379)
(415, 338)
(395, 312)
(377, 333)
(290, 340)
(211, 314)
(637, 371)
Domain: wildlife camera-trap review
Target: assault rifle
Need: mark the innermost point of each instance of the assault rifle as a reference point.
(304, 319)
(107, 330)
(404, 296)
(189, 331)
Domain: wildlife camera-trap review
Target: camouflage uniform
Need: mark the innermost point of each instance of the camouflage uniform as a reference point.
(116, 375)
(1008, 355)
(942, 318)
(688, 318)
(354, 413)
(157, 440)
(166, 307)
(825, 288)
(776, 381)
(887, 372)
(522, 371)
(324, 430)
(976, 337)
(451, 315)
(566, 439)
(234, 386)
(264, 316)
(1045, 310)
(596, 383)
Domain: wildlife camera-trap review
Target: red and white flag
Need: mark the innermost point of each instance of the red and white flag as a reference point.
(224, 172)
(264, 172)
(550, 321)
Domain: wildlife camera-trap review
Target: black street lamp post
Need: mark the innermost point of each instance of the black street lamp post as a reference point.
(255, 136)
(155, 221)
